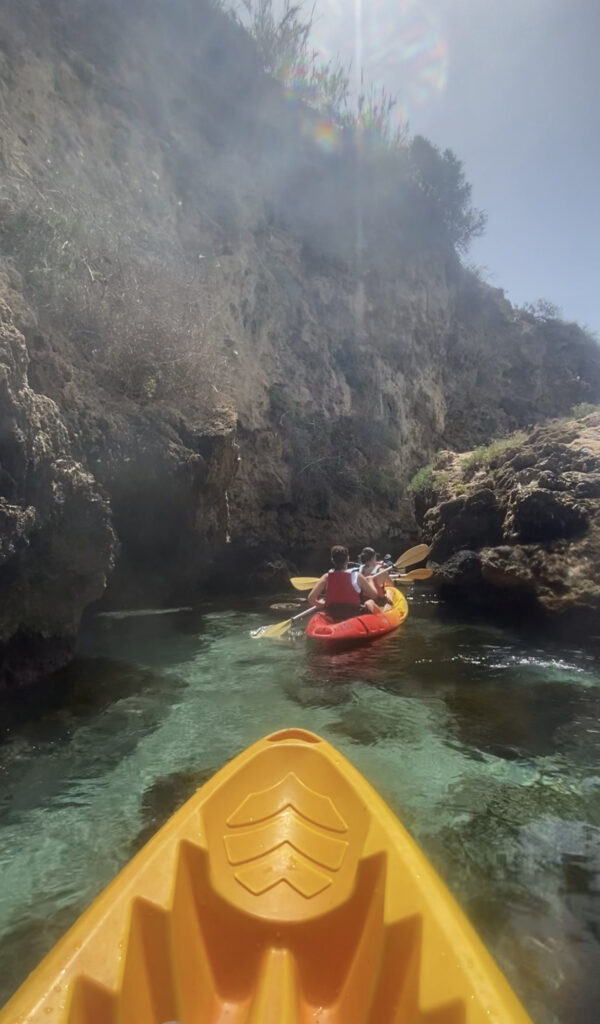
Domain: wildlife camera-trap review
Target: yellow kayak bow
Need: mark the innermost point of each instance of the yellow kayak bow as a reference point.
(284, 892)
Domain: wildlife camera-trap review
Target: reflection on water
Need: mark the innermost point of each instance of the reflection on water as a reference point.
(487, 746)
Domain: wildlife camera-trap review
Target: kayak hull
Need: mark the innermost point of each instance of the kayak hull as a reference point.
(359, 629)
(283, 892)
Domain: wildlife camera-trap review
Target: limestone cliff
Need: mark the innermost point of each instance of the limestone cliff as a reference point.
(56, 540)
(229, 356)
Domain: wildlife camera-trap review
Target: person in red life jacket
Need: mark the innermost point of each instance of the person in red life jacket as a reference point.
(371, 568)
(341, 590)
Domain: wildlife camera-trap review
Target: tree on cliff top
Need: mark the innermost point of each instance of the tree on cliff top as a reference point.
(441, 177)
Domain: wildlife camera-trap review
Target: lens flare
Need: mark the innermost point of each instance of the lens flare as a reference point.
(405, 49)
(326, 136)
(394, 47)
(398, 45)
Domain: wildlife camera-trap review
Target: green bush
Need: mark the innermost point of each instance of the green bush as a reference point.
(380, 484)
(422, 481)
(584, 409)
(483, 456)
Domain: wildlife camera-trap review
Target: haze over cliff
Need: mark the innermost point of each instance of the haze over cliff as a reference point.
(231, 330)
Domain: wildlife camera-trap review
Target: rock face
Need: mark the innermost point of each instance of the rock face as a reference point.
(57, 544)
(220, 357)
(86, 481)
(524, 534)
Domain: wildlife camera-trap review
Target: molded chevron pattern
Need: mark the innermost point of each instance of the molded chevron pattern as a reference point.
(286, 827)
(291, 836)
(284, 864)
(288, 792)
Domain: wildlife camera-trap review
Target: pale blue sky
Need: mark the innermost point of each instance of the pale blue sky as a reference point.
(513, 87)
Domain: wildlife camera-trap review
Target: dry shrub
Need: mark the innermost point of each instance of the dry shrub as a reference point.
(162, 332)
(151, 322)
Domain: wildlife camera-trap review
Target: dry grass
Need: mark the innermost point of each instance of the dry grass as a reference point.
(149, 321)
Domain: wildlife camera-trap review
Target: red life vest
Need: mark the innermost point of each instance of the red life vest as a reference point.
(340, 587)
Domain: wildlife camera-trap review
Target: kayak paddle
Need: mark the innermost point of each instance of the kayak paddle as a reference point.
(304, 582)
(279, 628)
(413, 555)
(414, 574)
(308, 582)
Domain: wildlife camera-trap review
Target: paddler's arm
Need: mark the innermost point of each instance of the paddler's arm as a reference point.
(314, 597)
(366, 587)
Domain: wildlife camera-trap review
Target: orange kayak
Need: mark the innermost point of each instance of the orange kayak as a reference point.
(360, 628)
(284, 892)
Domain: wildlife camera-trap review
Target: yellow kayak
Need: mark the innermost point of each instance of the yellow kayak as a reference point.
(284, 892)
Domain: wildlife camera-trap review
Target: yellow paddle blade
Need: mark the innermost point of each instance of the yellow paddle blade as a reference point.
(418, 574)
(413, 555)
(281, 628)
(415, 574)
(271, 632)
(304, 582)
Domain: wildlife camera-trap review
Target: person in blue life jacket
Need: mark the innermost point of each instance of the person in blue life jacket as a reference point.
(343, 592)
(369, 566)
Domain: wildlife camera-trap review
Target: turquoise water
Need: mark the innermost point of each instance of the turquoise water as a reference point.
(485, 744)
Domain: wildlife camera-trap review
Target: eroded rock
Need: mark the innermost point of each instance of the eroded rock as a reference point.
(472, 522)
(540, 516)
(531, 537)
(57, 545)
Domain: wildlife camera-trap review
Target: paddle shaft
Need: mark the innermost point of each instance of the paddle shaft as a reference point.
(302, 614)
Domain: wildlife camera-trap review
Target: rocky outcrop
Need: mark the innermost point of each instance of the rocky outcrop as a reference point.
(57, 544)
(229, 361)
(86, 481)
(523, 533)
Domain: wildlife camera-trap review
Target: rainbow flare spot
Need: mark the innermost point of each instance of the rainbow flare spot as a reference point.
(406, 42)
(326, 136)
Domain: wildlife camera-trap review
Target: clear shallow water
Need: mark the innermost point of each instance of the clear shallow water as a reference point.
(486, 745)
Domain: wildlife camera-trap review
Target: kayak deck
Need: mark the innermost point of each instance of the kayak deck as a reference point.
(283, 892)
(359, 628)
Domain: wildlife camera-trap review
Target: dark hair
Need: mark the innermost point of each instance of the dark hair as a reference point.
(367, 554)
(339, 556)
